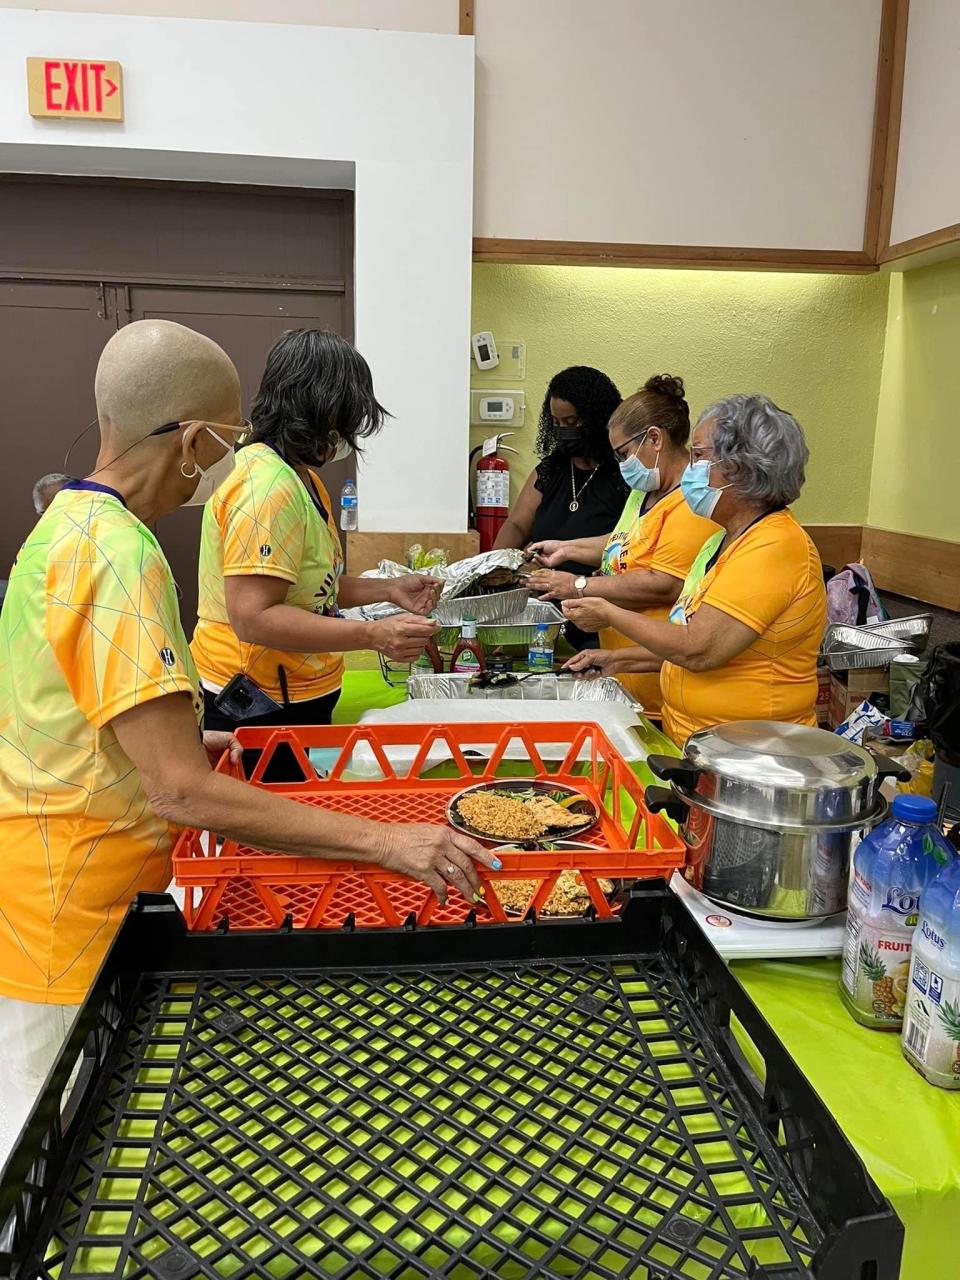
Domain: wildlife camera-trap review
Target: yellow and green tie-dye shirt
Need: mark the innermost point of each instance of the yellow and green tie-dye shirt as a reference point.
(262, 522)
(90, 628)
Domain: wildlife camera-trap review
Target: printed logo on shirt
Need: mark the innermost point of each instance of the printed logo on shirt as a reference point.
(167, 656)
(265, 549)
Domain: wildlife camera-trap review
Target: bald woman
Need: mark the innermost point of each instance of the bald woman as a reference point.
(101, 756)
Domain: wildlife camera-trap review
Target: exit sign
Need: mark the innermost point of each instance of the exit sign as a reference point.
(74, 88)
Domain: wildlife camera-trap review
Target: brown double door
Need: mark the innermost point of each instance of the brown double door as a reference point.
(241, 266)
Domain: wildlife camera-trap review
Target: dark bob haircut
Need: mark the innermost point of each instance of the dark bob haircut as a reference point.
(316, 393)
(594, 396)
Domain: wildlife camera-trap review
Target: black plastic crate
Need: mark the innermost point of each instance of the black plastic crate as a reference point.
(562, 1100)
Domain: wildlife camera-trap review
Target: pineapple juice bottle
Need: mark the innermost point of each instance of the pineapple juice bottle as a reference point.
(891, 868)
(931, 1025)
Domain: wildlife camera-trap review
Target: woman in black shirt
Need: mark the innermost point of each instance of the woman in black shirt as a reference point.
(576, 490)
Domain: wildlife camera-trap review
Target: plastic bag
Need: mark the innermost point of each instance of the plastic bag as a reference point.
(940, 695)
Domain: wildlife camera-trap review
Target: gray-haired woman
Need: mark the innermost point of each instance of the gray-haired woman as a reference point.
(743, 637)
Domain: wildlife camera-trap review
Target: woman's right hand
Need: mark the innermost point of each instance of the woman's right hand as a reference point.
(436, 856)
(588, 664)
(547, 554)
(403, 637)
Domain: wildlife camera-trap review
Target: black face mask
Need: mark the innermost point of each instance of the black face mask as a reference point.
(570, 440)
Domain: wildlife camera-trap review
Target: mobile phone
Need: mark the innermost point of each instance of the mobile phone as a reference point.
(243, 699)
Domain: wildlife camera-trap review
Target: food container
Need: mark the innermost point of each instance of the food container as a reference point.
(494, 607)
(846, 648)
(528, 688)
(770, 814)
(914, 631)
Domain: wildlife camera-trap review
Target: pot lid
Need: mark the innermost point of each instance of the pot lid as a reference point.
(789, 756)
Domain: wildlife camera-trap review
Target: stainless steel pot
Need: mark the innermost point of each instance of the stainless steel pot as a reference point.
(771, 814)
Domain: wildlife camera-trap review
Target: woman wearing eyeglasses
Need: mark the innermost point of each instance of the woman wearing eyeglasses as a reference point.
(575, 492)
(643, 563)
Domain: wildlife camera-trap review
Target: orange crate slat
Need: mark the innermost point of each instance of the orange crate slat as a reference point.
(255, 890)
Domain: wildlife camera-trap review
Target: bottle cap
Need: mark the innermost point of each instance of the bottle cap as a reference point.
(541, 627)
(910, 808)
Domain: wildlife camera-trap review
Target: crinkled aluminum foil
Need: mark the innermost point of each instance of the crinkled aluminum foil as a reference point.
(532, 688)
(458, 577)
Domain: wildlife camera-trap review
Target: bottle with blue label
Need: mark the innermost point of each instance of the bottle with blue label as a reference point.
(931, 1024)
(540, 650)
(891, 869)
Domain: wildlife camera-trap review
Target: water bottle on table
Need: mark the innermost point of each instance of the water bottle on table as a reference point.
(540, 652)
(348, 506)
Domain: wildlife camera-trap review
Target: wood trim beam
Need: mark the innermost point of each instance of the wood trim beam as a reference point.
(922, 244)
(599, 254)
(466, 17)
(838, 544)
(891, 58)
(925, 569)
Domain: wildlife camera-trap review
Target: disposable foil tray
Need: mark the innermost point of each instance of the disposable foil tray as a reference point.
(495, 607)
(913, 631)
(529, 688)
(564, 1102)
(846, 648)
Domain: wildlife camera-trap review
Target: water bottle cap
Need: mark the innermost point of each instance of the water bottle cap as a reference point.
(542, 626)
(910, 808)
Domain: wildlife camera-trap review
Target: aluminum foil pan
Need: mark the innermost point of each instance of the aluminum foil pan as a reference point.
(515, 632)
(914, 631)
(846, 648)
(459, 577)
(529, 688)
(497, 606)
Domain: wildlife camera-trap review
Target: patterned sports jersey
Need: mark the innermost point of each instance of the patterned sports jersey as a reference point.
(262, 521)
(90, 628)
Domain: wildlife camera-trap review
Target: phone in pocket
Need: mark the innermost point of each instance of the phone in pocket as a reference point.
(243, 699)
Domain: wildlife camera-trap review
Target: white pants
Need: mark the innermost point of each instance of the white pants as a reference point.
(30, 1039)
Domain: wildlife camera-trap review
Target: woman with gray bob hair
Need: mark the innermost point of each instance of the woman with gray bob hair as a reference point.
(742, 640)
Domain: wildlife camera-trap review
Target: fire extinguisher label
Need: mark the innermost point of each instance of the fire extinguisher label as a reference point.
(493, 488)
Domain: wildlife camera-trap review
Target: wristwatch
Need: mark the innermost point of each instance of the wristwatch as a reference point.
(581, 585)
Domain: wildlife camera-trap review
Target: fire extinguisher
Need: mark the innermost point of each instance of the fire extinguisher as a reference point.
(489, 512)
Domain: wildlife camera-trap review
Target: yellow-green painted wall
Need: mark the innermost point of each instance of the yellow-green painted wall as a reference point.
(916, 462)
(812, 342)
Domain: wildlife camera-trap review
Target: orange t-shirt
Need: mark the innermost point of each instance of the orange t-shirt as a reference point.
(770, 579)
(665, 539)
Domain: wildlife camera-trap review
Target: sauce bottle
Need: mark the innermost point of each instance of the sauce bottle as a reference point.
(429, 660)
(468, 657)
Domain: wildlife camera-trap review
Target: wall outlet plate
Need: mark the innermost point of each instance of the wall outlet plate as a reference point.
(504, 408)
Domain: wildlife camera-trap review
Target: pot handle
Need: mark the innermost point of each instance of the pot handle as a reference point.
(663, 800)
(887, 768)
(674, 769)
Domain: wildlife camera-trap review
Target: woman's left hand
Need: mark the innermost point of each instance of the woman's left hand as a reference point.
(550, 584)
(590, 614)
(217, 741)
(416, 593)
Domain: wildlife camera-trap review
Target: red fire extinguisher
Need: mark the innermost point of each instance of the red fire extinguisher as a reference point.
(492, 504)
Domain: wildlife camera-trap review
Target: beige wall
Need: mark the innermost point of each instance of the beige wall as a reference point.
(743, 122)
(390, 15)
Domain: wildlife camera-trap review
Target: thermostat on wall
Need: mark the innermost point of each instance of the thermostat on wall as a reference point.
(496, 408)
(485, 350)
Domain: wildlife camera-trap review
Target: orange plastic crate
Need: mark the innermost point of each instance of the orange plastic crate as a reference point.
(251, 889)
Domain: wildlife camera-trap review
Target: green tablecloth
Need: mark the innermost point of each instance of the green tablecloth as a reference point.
(906, 1132)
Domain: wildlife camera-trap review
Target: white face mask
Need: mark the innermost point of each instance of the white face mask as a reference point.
(210, 477)
(343, 452)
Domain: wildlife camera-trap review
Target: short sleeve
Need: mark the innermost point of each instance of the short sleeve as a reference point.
(113, 624)
(261, 520)
(759, 579)
(682, 536)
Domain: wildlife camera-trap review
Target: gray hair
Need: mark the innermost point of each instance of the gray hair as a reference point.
(761, 448)
(46, 489)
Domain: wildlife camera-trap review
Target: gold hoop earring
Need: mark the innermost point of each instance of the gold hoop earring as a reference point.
(189, 475)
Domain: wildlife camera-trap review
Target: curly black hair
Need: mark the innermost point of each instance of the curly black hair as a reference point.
(316, 393)
(594, 396)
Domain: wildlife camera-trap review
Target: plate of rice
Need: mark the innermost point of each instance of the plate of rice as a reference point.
(569, 896)
(518, 809)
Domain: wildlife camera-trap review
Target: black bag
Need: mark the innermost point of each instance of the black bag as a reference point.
(940, 694)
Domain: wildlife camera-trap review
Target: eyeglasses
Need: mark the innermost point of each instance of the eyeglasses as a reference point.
(242, 431)
(619, 454)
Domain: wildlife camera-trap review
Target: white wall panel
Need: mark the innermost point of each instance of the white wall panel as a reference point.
(698, 122)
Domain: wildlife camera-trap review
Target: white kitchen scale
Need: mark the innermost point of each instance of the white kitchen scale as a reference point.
(740, 937)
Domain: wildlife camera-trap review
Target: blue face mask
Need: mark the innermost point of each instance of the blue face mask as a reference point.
(639, 477)
(701, 496)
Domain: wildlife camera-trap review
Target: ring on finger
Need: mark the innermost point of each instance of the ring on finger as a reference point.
(449, 870)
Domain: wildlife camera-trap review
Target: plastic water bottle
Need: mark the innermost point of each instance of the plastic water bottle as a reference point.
(931, 1024)
(348, 506)
(891, 870)
(540, 652)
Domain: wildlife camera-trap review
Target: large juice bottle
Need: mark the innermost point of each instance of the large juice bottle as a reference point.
(931, 1025)
(891, 868)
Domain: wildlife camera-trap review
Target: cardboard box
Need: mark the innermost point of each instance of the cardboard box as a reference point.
(847, 691)
(823, 697)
